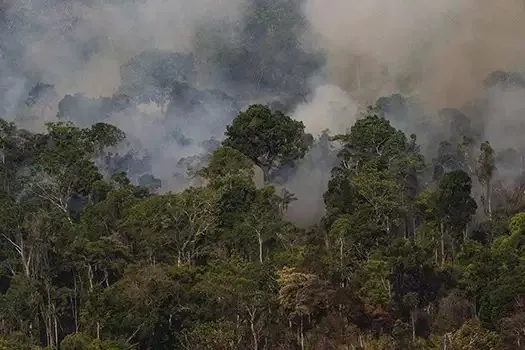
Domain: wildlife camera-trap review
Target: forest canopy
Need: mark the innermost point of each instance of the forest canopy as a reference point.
(262, 174)
(407, 255)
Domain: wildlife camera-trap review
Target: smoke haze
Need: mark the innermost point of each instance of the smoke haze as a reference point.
(440, 50)
(173, 74)
(79, 46)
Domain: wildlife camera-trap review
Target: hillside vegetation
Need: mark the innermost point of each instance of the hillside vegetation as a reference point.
(406, 256)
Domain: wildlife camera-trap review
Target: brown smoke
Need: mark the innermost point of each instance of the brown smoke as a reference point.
(440, 50)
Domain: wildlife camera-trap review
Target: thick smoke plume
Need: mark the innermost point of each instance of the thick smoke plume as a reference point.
(440, 50)
(79, 46)
(173, 74)
(437, 52)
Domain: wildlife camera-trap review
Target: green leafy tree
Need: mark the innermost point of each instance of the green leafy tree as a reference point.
(473, 336)
(228, 168)
(89, 260)
(145, 306)
(244, 293)
(216, 335)
(301, 295)
(269, 138)
(173, 226)
(376, 181)
(65, 168)
(454, 206)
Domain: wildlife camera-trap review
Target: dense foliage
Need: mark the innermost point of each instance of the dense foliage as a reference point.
(403, 259)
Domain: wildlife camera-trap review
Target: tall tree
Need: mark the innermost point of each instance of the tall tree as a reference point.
(173, 227)
(301, 295)
(485, 172)
(378, 170)
(454, 206)
(269, 138)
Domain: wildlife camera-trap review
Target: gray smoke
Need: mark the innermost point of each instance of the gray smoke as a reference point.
(173, 74)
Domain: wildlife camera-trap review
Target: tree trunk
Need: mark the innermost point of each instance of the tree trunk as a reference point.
(74, 309)
(266, 174)
(90, 277)
(253, 330)
(404, 228)
(106, 277)
(46, 325)
(413, 323)
(56, 328)
(341, 250)
(24, 257)
(25, 261)
(302, 333)
(442, 229)
(51, 325)
(414, 227)
(489, 200)
(260, 241)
